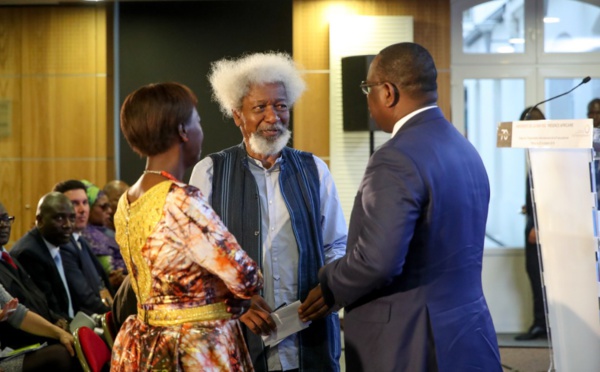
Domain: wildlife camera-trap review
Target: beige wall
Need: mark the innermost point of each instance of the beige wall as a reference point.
(54, 76)
(311, 50)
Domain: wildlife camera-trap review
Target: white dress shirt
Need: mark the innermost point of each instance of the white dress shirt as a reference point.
(55, 253)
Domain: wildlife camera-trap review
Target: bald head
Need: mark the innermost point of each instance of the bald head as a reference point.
(411, 68)
(55, 218)
(49, 202)
(115, 187)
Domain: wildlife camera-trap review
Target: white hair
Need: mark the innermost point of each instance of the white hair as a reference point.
(231, 79)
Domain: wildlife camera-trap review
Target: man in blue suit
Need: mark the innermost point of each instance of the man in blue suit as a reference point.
(410, 281)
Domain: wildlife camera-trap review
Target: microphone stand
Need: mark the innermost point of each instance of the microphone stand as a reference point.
(584, 81)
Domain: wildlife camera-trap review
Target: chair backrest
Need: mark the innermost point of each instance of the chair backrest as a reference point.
(110, 330)
(92, 352)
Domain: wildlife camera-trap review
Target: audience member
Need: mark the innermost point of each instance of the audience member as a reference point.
(40, 251)
(410, 281)
(56, 357)
(284, 197)
(113, 190)
(532, 259)
(87, 279)
(19, 285)
(593, 111)
(103, 243)
(187, 270)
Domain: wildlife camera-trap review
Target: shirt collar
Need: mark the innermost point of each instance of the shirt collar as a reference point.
(403, 121)
(259, 164)
(54, 250)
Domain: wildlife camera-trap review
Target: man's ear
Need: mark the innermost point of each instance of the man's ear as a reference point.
(392, 95)
(182, 132)
(237, 117)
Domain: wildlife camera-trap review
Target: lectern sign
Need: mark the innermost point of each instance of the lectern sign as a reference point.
(563, 175)
(550, 134)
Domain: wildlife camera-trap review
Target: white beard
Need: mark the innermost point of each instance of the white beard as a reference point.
(262, 146)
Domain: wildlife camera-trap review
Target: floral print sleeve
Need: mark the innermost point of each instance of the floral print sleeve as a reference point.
(212, 246)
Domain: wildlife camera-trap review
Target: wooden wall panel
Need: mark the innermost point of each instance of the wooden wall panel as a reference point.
(10, 93)
(10, 36)
(62, 117)
(41, 175)
(61, 39)
(311, 50)
(53, 68)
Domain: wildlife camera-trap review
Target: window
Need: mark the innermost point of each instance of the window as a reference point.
(508, 55)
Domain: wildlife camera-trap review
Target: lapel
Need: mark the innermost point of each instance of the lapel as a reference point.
(58, 289)
(42, 250)
(6, 271)
(87, 262)
(101, 274)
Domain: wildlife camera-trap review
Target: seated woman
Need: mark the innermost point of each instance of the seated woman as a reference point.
(100, 238)
(186, 268)
(56, 357)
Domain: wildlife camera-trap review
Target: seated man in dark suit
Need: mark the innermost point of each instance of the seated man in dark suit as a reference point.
(87, 279)
(19, 285)
(39, 251)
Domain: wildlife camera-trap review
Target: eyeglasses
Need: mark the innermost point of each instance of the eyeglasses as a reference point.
(105, 206)
(6, 220)
(366, 86)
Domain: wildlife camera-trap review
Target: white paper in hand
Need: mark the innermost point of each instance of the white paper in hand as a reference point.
(288, 322)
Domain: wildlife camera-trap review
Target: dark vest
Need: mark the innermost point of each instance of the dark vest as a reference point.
(235, 199)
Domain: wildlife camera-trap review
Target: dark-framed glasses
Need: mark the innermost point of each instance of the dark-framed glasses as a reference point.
(104, 206)
(365, 86)
(6, 220)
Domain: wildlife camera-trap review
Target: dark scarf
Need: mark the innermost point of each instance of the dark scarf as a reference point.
(235, 199)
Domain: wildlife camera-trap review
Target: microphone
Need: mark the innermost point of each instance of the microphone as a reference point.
(585, 80)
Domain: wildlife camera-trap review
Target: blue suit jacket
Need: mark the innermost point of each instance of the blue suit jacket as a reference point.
(85, 278)
(411, 278)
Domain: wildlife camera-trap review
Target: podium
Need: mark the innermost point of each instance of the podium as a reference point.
(563, 176)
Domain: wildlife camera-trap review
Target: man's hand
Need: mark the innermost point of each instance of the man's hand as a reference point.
(531, 237)
(8, 309)
(237, 306)
(314, 306)
(67, 340)
(258, 318)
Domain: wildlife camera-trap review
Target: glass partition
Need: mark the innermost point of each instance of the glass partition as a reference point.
(571, 27)
(487, 103)
(494, 27)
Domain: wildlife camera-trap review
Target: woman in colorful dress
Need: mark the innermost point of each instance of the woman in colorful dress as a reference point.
(188, 272)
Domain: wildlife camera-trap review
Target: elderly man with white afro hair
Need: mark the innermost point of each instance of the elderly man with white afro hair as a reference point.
(282, 207)
(231, 78)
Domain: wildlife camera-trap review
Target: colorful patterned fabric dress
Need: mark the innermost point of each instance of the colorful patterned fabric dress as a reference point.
(183, 264)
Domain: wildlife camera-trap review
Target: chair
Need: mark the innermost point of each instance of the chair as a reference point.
(109, 328)
(92, 352)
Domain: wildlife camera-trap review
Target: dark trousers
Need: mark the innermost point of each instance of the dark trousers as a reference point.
(532, 265)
